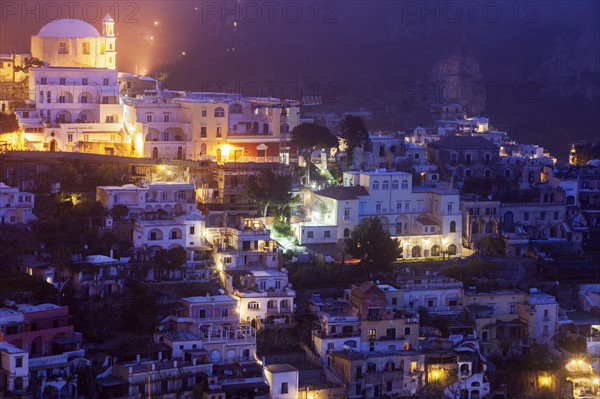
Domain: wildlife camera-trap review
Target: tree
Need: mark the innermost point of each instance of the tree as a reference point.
(30, 62)
(310, 136)
(8, 123)
(269, 189)
(355, 134)
(166, 261)
(585, 152)
(119, 211)
(491, 246)
(370, 242)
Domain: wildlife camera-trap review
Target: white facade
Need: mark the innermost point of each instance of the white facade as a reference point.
(434, 294)
(14, 370)
(283, 380)
(185, 231)
(170, 197)
(76, 43)
(76, 93)
(263, 293)
(426, 221)
(15, 206)
(245, 246)
(336, 332)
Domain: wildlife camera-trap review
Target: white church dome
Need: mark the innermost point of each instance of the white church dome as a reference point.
(68, 28)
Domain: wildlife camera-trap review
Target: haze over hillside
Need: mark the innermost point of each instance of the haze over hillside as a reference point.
(532, 67)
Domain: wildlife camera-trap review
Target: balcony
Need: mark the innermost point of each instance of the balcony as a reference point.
(324, 335)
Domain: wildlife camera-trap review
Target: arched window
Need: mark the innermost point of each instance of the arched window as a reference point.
(235, 109)
(375, 185)
(179, 153)
(416, 251)
(385, 185)
(202, 149)
(453, 227)
(219, 112)
(155, 153)
(435, 250)
(395, 185)
(451, 249)
(346, 233)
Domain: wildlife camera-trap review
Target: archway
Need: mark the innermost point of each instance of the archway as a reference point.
(435, 250)
(53, 146)
(63, 116)
(416, 251)
(452, 249)
(179, 153)
(85, 116)
(155, 153)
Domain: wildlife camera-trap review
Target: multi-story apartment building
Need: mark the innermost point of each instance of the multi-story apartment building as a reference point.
(95, 276)
(38, 344)
(480, 218)
(373, 374)
(169, 197)
(220, 127)
(462, 157)
(265, 296)
(247, 244)
(436, 294)
(336, 328)
(426, 220)
(382, 327)
(15, 206)
(185, 231)
(513, 317)
(160, 127)
(153, 378)
(209, 323)
(14, 369)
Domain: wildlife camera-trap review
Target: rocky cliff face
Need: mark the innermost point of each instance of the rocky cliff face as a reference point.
(571, 66)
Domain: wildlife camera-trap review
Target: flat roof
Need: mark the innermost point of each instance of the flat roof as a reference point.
(281, 368)
(209, 298)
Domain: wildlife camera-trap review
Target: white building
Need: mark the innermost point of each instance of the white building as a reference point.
(426, 220)
(14, 368)
(15, 206)
(436, 294)
(76, 93)
(283, 380)
(265, 296)
(245, 244)
(216, 126)
(337, 328)
(170, 197)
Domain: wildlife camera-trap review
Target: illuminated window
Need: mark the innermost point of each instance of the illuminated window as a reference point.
(372, 333)
(85, 48)
(62, 48)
